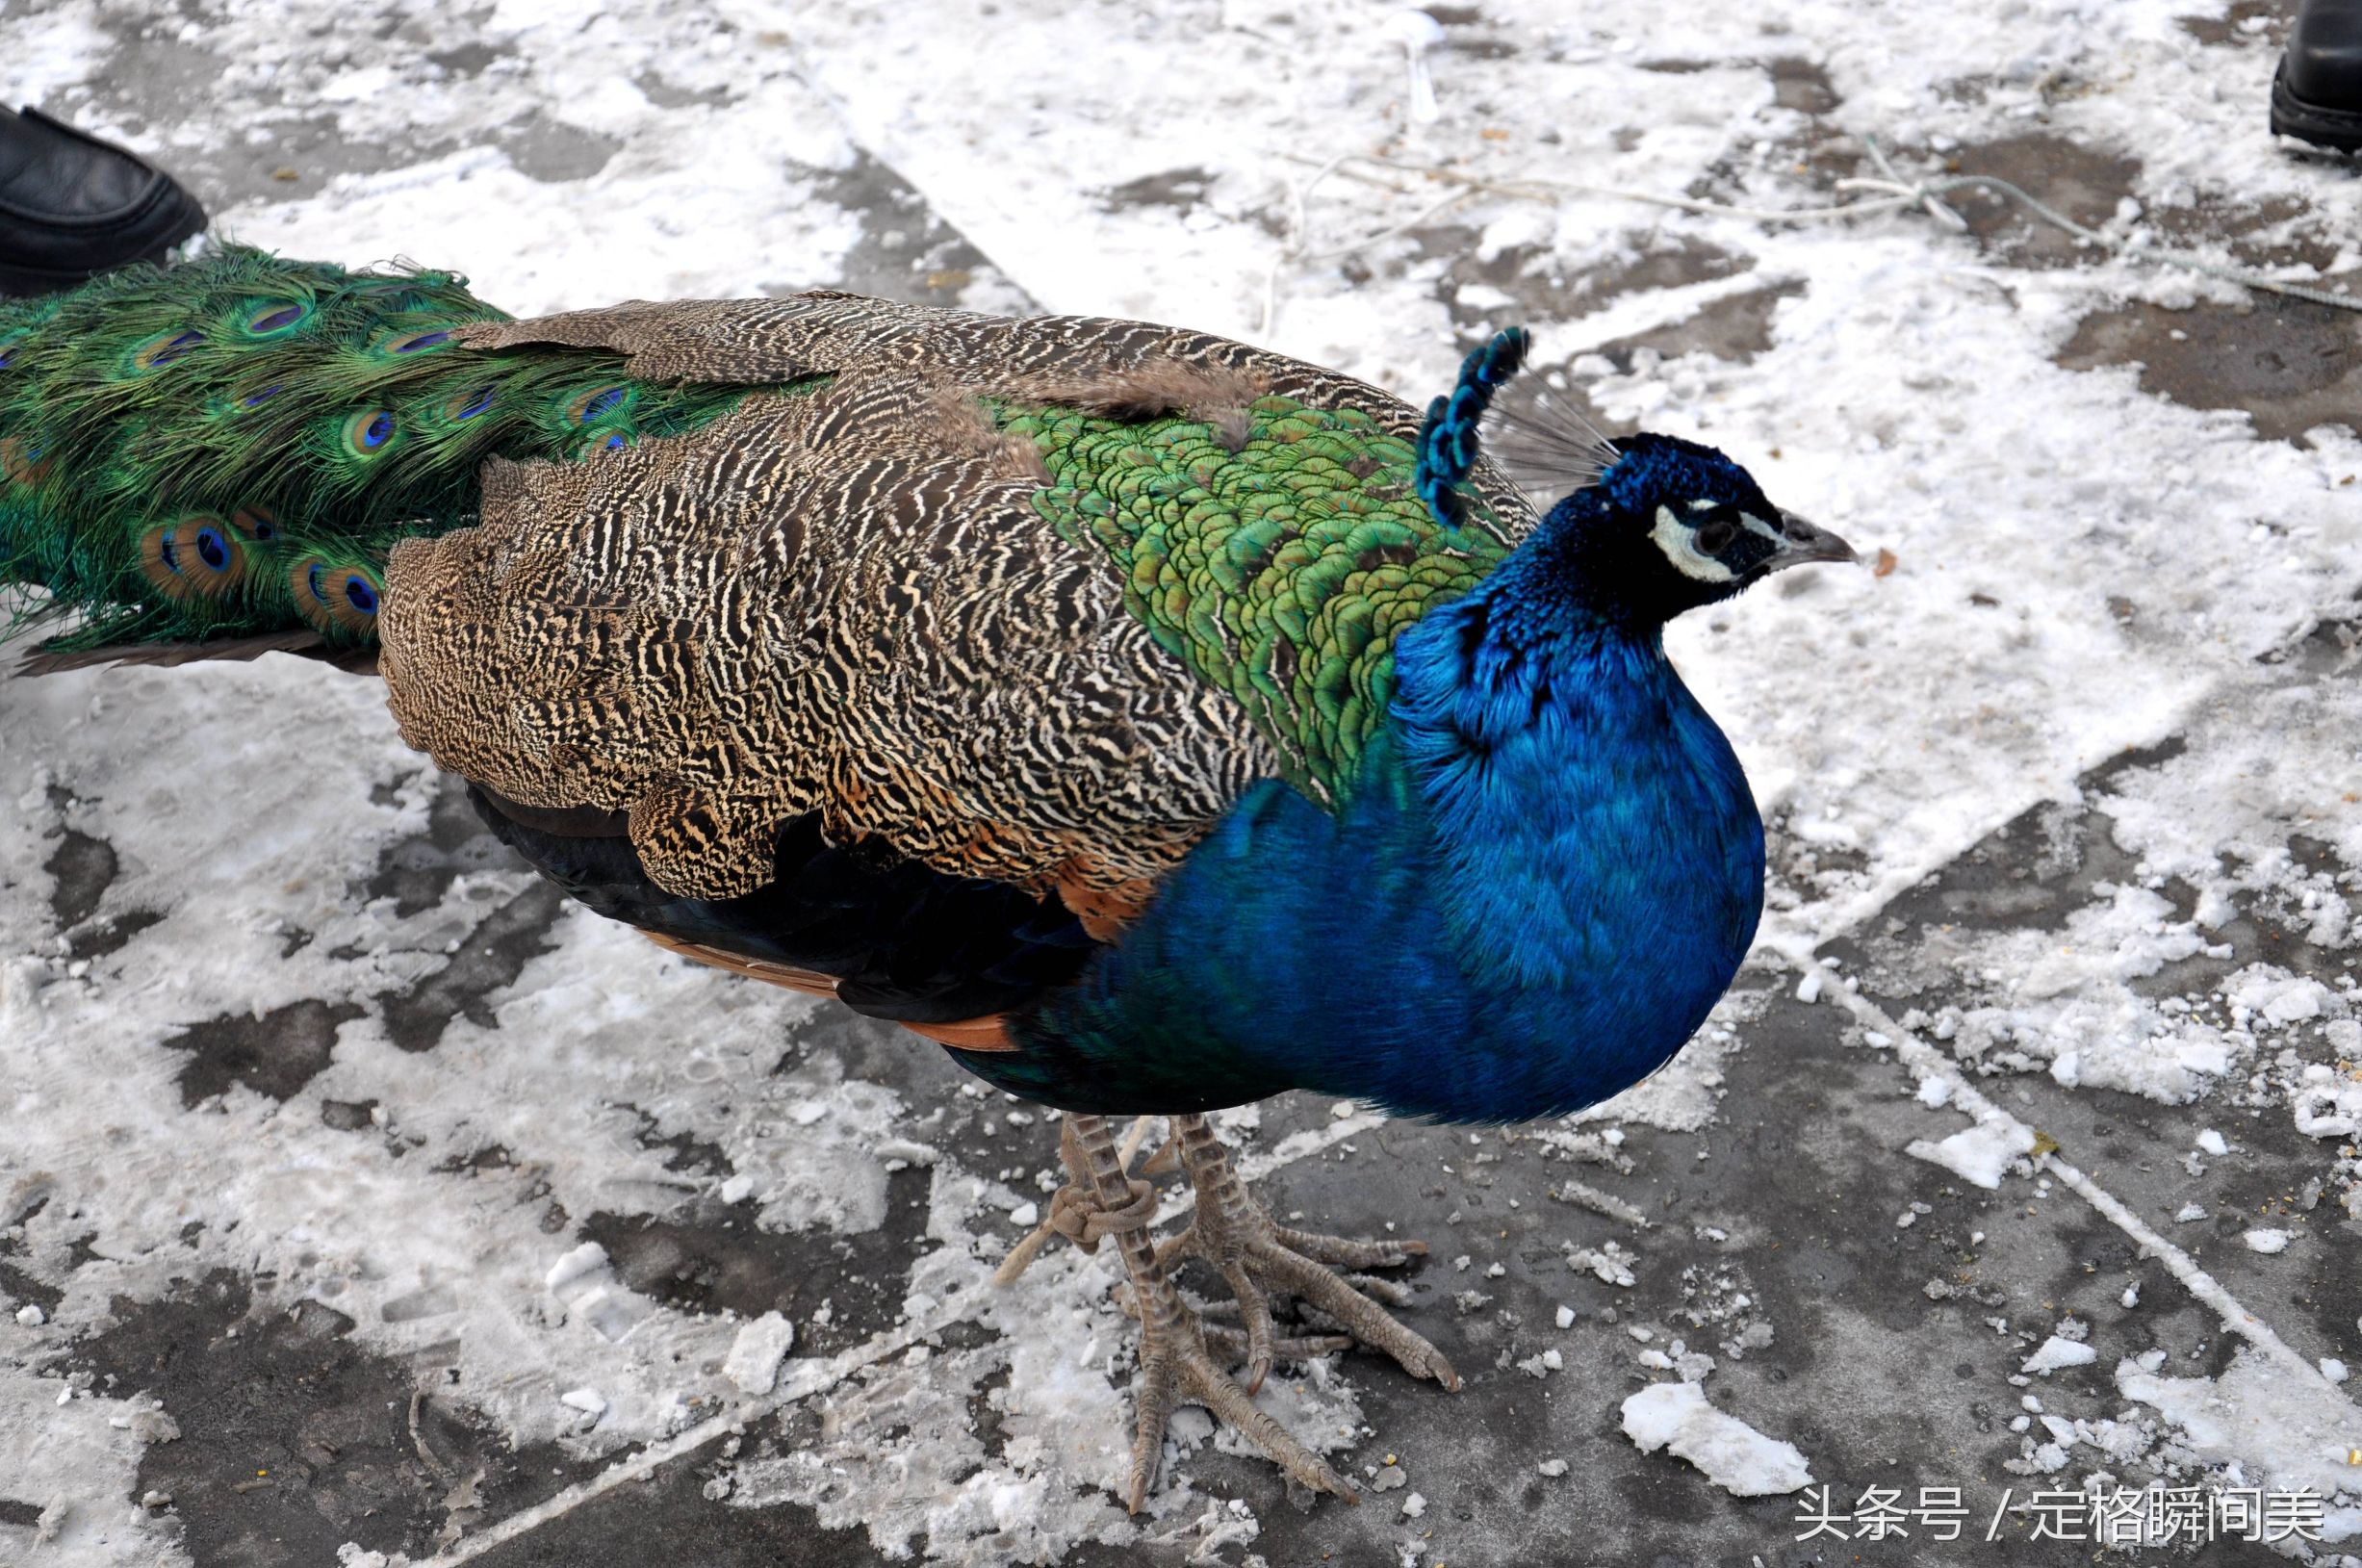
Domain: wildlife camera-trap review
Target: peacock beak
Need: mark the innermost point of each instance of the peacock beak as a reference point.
(1802, 542)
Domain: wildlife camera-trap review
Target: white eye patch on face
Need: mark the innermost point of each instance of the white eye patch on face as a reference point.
(1680, 543)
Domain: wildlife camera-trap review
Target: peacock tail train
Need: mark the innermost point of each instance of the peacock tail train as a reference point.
(230, 447)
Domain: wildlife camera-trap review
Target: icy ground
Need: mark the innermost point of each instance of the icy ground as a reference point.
(359, 1202)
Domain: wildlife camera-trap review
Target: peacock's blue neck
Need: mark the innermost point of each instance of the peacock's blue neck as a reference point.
(1548, 871)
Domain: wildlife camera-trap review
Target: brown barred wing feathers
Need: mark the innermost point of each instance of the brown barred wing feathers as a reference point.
(718, 636)
(881, 593)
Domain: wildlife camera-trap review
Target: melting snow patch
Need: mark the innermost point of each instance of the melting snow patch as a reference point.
(1611, 1263)
(2283, 1425)
(589, 1400)
(584, 1281)
(2057, 1353)
(1979, 1154)
(1679, 1097)
(2280, 999)
(1734, 1455)
(756, 1355)
(2265, 1240)
(2327, 1107)
(587, 1259)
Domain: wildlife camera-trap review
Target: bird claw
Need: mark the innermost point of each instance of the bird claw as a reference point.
(1236, 1234)
(1177, 1368)
(1233, 1231)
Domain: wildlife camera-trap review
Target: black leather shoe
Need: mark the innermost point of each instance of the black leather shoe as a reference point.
(2317, 96)
(71, 205)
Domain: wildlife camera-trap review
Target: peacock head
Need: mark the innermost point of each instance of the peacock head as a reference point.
(1647, 525)
(1670, 525)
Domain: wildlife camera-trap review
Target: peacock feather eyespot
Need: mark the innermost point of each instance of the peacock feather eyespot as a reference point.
(369, 432)
(467, 406)
(165, 348)
(340, 599)
(259, 523)
(413, 342)
(23, 461)
(197, 557)
(590, 407)
(275, 319)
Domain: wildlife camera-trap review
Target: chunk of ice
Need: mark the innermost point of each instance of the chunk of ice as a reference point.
(2057, 1353)
(1979, 1154)
(1734, 1455)
(755, 1355)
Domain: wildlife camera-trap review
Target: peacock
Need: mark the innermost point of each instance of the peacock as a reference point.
(1155, 722)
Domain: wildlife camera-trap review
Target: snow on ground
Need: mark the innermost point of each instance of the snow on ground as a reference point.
(2082, 564)
(1734, 1456)
(1981, 1154)
(2292, 1430)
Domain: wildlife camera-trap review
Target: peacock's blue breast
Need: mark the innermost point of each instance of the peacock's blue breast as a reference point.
(1535, 894)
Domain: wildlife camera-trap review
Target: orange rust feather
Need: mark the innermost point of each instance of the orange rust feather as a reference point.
(1102, 910)
(987, 1033)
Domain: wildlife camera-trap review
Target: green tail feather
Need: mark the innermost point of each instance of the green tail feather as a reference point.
(233, 444)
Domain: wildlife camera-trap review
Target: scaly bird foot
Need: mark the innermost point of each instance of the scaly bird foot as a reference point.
(1177, 1366)
(1106, 1202)
(1235, 1233)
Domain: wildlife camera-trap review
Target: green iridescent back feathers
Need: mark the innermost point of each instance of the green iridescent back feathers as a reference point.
(1281, 572)
(231, 446)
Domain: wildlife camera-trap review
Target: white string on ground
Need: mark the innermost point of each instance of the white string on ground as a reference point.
(1299, 226)
(804, 1379)
(1928, 203)
(817, 1376)
(1928, 1065)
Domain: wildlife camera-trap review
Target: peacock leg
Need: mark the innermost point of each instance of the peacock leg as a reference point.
(1175, 1367)
(1235, 1233)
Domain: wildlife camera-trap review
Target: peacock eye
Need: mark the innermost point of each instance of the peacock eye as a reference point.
(1714, 535)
